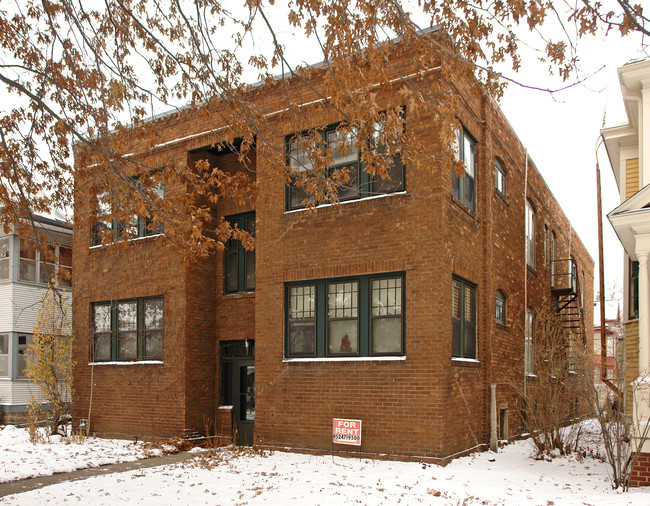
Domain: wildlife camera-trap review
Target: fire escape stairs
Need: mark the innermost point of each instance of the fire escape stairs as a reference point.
(566, 288)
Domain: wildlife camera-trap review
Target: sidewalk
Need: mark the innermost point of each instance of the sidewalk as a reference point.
(27, 484)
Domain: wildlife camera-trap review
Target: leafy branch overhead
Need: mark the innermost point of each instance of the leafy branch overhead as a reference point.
(85, 79)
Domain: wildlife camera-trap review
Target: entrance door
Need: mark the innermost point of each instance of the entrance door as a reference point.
(243, 395)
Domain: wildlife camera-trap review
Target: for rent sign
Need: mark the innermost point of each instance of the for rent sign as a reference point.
(346, 432)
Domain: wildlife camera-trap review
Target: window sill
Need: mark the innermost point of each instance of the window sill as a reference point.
(503, 197)
(465, 362)
(464, 207)
(531, 269)
(345, 202)
(127, 241)
(226, 407)
(346, 359)
(531, 376)
(239, 295)
(502, 326)
(135, 362)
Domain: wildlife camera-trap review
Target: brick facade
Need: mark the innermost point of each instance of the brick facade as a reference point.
(423, 404)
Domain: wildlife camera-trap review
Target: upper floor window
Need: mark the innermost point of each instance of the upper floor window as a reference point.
(553, 241)
(500, 305)
(463, 319)
(545, 245)
(4, 257)
(499, 178)
(240, 262)
(128, 330)
(348, 317)
(53, 262)
(529, 342)
(123, 227)
(530, 235)
(341, 148)
(463, 186)
(633, 289)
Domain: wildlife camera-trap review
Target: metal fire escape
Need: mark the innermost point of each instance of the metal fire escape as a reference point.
(566, 287)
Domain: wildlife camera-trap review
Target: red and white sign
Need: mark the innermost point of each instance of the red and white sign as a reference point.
(346, 432)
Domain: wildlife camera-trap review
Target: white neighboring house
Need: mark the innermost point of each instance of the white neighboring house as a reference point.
(628, 148)
(24, 279)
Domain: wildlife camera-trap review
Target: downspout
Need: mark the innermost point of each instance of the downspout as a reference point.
(525, 271)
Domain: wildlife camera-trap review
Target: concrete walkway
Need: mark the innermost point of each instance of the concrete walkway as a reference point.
(27, 484)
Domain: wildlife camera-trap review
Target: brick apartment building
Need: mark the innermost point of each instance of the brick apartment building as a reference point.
(400, 307)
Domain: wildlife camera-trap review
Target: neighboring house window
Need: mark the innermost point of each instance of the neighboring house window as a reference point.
(463, 186)
(4, 355)
(463, 319)
(133, 227)
(500, 314)
(633, 289)
(362, 316)
(4, 257)
(345, 155)
(128, 330)
(24, 342)
(530, 235)
(529, 346)
(240, 262)
(499, 178)
(54, 262)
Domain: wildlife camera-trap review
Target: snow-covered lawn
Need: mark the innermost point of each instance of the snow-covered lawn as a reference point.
(231, 476)
(19, 458)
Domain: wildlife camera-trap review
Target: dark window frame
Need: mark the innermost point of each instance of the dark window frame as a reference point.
(459, 183)
(365, 183)
(113, 333)
(235, 249)
(459, 332)
(364, 318)
(633, 289)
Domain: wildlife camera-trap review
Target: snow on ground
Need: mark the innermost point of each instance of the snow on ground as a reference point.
(232, 476)
(19, 458)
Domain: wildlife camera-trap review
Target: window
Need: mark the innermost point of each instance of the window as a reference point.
(499, 178)
(356, 317)
(240, 262)
(345, 155)
(553, 259)
(4, 355)
(463, 186)
(24, 342)
(128, 330)
(530, 235)
(463, 319)
(44, 266)
(545, 246)
(4, 257)
(134, 227)
(633, 289)
(500, 314)
(529, 345)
